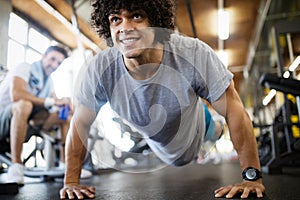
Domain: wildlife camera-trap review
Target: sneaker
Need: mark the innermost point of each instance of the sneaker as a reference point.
(15, 174)
(85, 174)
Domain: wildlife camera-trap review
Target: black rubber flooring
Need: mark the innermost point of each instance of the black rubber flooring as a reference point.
(169, 183)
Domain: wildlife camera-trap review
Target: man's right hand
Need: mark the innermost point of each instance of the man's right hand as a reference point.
(80, 191)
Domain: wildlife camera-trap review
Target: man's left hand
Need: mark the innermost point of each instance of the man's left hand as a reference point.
(245, 187)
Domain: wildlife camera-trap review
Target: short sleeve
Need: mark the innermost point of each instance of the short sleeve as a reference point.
(22, 70)
(211, 72)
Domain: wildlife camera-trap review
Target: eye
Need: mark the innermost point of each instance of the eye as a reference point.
(137, 16)
(114, 20)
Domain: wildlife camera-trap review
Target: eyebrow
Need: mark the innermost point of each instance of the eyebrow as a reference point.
(112, 12)
(118, 11)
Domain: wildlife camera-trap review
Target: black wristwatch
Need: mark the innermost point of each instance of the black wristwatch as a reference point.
(251, 174)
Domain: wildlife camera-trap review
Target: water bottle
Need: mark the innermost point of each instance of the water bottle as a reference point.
(64, 112)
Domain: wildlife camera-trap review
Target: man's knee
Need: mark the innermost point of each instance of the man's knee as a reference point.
(22, 108)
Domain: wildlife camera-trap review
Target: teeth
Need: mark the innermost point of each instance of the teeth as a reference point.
(129, 40)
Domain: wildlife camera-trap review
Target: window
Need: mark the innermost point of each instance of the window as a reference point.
(18, 29)
(15, 53)
(25, 44)
(38, 41)
(32, 56)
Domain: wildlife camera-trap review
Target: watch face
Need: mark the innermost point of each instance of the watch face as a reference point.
(251, 174)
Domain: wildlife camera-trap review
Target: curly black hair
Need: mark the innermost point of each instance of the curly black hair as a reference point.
(159, 12)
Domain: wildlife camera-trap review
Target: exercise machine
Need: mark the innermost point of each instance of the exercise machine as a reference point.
(279, 147)
(140, 156)
(46, 145)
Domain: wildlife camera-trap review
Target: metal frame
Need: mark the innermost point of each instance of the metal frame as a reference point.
(289, 158)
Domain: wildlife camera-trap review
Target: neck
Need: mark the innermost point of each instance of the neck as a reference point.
(145, 65)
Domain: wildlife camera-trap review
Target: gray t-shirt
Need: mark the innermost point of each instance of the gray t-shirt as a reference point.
(38, 84)
(165, 108)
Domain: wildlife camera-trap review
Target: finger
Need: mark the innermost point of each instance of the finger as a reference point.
(78, 194)
(88, 193)
(219, 189)
(62, 194)
(233, 191)
(70, 194)
(92, 189)
(259, 193)
(222, 191)
(245, 193)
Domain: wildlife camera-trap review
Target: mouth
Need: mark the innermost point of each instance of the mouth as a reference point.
(129, 40)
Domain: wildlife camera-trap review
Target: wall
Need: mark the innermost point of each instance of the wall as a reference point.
(5, 10)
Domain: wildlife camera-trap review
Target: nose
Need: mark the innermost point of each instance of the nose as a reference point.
(126, 26)
(55, 64)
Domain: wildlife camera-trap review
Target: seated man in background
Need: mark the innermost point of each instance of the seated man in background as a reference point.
(27, 96)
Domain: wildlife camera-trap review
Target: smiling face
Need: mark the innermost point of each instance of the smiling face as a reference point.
(131, 32)
(51, 61)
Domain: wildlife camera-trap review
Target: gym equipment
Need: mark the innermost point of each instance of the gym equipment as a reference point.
(138, 159)
(48, 149)
(276, 149)
(285, 85)
(278, 146)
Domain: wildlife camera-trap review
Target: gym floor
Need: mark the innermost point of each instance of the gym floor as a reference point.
(189, 182)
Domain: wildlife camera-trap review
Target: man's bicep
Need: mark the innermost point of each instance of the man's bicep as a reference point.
(83, 117)
(79, 129)
(228, 101)
(18, 82)
(18, 86)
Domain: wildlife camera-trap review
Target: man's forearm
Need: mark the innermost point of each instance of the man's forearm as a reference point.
(244, 141)
(75, 154)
